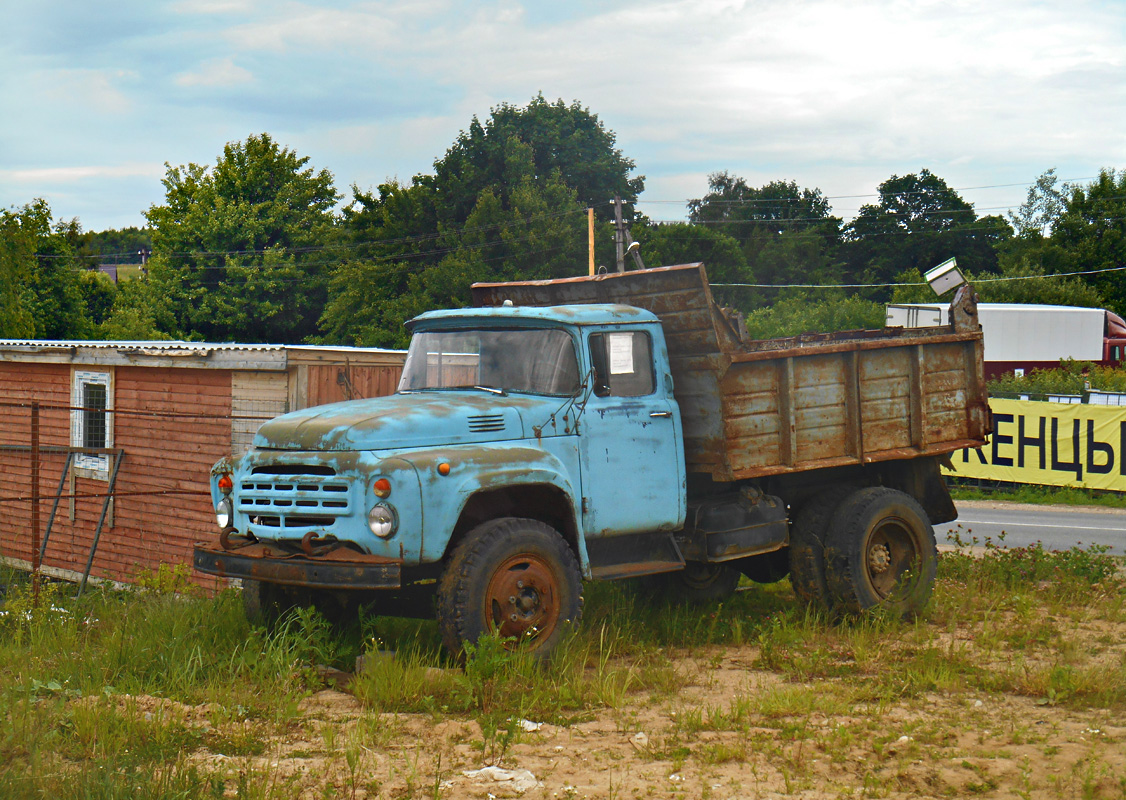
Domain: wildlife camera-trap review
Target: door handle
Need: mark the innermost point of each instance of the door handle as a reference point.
(661, 414)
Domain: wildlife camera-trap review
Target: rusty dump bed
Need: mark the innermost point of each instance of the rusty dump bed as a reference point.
(756, 408)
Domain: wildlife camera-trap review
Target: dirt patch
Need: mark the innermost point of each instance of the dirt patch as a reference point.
(724, 735)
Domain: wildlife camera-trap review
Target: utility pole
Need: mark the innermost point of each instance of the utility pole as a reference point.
(590, 241)
(623, 242)
(619, 234)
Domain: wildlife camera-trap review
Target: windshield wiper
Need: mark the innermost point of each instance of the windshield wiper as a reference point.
(479, 387)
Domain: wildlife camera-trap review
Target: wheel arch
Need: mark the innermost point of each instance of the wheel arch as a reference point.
(919, 478)
(542, 501)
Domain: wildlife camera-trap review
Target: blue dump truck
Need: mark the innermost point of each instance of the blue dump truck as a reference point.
(605, 428)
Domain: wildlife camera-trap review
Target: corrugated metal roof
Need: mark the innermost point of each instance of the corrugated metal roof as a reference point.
(181, 348)
(200, 355)
(153, 346)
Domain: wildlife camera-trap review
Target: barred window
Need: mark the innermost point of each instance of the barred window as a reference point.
(91, 424)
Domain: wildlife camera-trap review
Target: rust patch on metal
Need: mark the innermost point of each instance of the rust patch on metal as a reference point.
(339, 568)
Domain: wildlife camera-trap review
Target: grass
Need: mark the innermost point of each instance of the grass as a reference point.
(124, 693)
(1041, 495)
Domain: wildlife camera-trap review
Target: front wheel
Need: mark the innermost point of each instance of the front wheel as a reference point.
(266, 603)
(881, 551)
(516, 578)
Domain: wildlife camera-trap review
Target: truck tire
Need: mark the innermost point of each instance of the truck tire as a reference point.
(807, 545)
(515, 577)
(264, 603)
(698, 583)
(765, 567)
(881, 552)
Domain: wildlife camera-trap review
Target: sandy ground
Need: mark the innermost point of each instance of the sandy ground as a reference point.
(931, 745)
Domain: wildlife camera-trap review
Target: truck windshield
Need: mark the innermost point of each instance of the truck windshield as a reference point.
(530, 360)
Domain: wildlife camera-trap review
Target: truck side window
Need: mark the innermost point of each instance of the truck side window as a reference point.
(623, 363)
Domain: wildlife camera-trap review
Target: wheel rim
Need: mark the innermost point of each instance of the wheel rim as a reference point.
(891, 553)
(522, 600)
(701, 576)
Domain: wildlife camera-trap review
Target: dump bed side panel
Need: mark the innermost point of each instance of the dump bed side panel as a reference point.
(875, 401)
(755, 408)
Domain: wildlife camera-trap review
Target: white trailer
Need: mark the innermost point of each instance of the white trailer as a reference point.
(1027, 336)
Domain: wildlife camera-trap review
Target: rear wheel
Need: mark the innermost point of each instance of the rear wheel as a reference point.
(513, 577)
(698, 582)
(807, 545)
(881, 552)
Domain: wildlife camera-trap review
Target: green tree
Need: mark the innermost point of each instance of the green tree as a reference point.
(238, 248)
(1020, 281)
(507, 201)
(535, 230)
(129, 245)
(98, 294)
(1092, 232)
(919, 223)
(566, 140)
(39, 255)
(787, 233)
(668, 243)
(740, 210)
(138, 313)
(1041, 210)
(807, 313)
(17, 255)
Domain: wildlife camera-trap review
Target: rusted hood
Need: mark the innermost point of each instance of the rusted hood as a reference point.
(416, 419)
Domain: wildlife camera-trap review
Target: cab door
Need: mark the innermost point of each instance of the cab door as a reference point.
(631, 451)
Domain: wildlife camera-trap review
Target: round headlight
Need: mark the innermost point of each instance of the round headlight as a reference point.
(382, 520)
(224, 513)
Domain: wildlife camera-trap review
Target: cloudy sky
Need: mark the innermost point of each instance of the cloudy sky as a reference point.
(834, 94)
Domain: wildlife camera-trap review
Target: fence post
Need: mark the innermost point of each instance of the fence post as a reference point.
(35, 561)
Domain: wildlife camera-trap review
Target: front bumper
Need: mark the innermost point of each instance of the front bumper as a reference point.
(339, 569)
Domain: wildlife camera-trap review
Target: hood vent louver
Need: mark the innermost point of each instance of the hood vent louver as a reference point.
(484, 423)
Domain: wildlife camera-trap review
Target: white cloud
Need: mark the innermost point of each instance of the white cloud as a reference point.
(62, 175)
(97, 90)
(830, 94)
(216, 73)
(213, 6)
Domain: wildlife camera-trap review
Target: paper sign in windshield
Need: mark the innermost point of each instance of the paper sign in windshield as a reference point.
(621, 353)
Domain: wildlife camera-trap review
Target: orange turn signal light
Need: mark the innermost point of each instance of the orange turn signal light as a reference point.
(382, 487)
(225, 484)
(444, 468)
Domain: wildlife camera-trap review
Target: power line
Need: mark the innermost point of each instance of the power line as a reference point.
(921, 283)
(497, 226)
(861, 196)
(415, 238)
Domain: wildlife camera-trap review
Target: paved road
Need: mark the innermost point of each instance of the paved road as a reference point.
(1057, 527)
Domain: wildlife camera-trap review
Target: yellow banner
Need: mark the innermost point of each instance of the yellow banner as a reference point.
(1051, 444)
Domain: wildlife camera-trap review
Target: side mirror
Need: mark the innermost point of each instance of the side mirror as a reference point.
(598, 366)
(600, 388)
